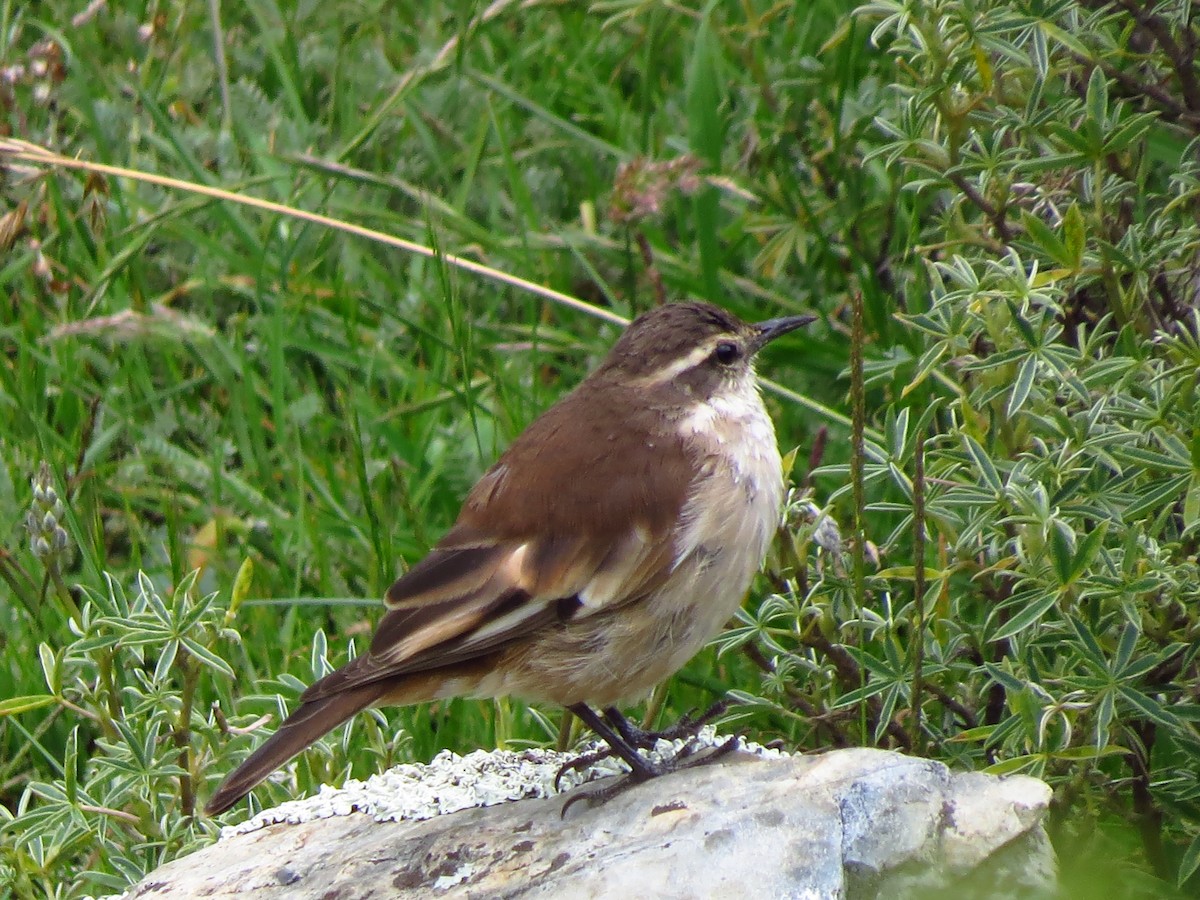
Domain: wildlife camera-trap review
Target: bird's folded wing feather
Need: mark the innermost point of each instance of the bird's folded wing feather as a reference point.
(460, 603)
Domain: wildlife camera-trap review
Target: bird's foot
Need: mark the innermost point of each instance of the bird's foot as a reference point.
(687, 729)
(686, 758)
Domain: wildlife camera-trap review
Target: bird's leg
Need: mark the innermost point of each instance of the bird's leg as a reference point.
(617, 746)
(624, 739)
(686, 728)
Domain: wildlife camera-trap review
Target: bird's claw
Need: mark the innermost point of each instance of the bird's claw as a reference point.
(581, 762)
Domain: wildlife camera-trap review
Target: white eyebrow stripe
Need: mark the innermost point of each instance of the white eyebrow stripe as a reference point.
(681, 365)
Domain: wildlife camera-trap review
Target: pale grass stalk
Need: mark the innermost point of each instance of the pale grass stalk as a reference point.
(27, 152)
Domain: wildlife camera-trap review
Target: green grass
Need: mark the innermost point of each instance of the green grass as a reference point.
(211, 384)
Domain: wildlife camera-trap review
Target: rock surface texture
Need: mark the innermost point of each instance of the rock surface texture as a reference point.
(849, 823)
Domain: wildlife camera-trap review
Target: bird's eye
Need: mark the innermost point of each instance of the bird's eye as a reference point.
(727, 353)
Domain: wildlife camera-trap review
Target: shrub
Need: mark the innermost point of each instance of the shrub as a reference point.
(1023, 591)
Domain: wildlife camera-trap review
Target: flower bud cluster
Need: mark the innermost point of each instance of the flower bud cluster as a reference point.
(47, 538)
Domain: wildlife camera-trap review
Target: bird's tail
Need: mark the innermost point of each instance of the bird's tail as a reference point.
(301, 728)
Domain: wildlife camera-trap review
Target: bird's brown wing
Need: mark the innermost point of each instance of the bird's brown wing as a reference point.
(462, 603)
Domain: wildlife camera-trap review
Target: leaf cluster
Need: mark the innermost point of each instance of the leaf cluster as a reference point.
(1028, 597)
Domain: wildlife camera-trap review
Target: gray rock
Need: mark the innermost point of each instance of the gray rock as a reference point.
(849, 823)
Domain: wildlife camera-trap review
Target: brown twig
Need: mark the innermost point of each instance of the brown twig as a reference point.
(815, 454)
(1183, 59)
(851, 675)
(1170, 109)
(815, 717)
(652, 273)
(995, 216)
(1149, 816)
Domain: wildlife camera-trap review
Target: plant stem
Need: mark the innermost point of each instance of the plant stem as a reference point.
(918, 635)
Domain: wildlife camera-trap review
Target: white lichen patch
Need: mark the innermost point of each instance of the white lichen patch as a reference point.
(451, 782)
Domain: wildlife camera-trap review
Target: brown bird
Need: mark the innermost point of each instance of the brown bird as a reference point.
(605, 547)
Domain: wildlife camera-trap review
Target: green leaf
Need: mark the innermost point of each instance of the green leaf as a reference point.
(1156, 499)
(706, 139)
(1006, 680)
(1008, 730)
(1046, 240)
(926, 364)
(887, 709)
(1069, 38)
(1089, 645)
(1087, 550)
(969, 735)
(71, 766)
(1191, 503)
(166, 659)
(141, 755)
(1129, 131)
(1149, 708)
(984, 464)
(292, 683)
(1023, 385)
(154, 603)
(1153, 461)
(1061, 552)
(703, 92)
(51, 668)
(897, 431)
(1125, 647)
(1106, 710)
(208, 658)
(1190, 862)
(14, 705)
(319, 655)
(1140, 665)
(1074, 236)
(871, 663)
(1014, 765)
(858, 695)
(1027, 333)
(908, 573)
(1087, 752)
(1097, 97)
(241, 588)
(901, 479)
(1025, 618)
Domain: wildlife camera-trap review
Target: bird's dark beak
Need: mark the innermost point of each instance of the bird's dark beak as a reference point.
(765, 332)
